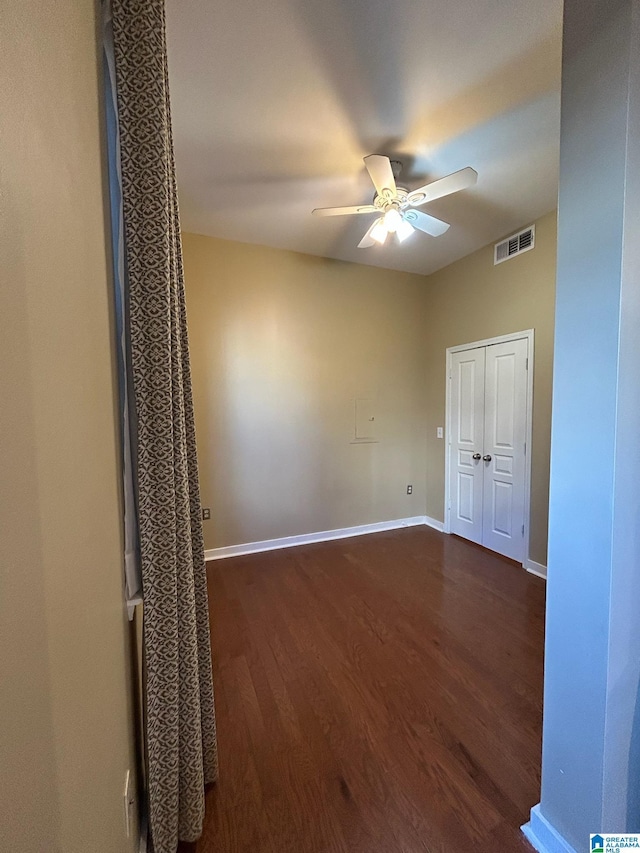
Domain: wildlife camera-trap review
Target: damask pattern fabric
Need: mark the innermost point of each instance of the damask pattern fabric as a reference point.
(180, 717)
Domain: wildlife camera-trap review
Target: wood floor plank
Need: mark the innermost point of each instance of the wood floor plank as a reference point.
(381, 694)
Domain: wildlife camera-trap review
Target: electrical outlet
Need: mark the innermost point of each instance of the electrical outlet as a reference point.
(129, 802)
(409, 490)
(206, 514)
(439, 432)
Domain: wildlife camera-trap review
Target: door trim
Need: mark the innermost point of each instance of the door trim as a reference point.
(501, 339)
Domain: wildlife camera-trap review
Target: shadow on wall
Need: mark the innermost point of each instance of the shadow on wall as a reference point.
(270, 420)
(277, 413)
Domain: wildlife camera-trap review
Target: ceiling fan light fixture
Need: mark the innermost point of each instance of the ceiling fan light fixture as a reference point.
(379, 231)
(392, 220)
(396, 206)
(404, 230)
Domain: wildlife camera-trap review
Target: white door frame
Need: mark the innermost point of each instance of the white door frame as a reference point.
(501, 339)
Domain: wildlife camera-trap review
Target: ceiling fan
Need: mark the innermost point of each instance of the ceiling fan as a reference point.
(395, 206)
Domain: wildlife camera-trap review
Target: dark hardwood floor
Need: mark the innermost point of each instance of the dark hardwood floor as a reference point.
(380, 694)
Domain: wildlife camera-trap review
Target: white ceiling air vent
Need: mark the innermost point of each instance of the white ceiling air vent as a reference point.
(515, 245)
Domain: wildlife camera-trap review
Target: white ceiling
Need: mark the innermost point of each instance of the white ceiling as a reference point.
(275, 103)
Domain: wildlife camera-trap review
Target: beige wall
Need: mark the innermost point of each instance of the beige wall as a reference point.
(471, 300)
(65, 716)
(281, 345)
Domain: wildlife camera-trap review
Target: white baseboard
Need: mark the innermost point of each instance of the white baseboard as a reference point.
(536, 568)
(543, 836)
(342, 533)
(322, 536)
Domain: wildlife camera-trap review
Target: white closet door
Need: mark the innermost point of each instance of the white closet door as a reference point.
(466, 446)
(505, 424)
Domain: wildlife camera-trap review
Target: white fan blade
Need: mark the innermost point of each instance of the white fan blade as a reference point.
(424, 222)
(343, 211)
(368, 240)
(445, 186)
(381, 174)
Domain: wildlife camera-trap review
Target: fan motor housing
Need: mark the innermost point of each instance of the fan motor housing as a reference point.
(397, 199)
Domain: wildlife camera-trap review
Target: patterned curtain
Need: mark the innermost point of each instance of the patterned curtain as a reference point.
(180, 717)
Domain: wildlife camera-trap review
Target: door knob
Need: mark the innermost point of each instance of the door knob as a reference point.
(487, 458)
(476, 456)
